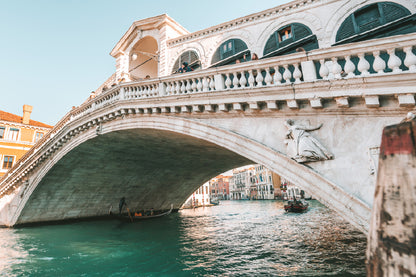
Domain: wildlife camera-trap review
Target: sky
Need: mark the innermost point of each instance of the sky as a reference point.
(53, 53)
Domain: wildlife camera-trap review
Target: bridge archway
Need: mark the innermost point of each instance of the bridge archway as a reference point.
(144, 59)
(164, 157)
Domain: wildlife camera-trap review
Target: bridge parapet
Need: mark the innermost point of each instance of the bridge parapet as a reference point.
(383, 57)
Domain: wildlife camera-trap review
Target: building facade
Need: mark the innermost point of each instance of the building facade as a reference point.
(240, 183)
(17, 135)
(199, 198)
(220, 187)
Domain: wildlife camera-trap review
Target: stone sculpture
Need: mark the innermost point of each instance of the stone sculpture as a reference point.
(303, 147)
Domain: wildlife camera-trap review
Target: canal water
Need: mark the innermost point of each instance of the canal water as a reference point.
(235, 238)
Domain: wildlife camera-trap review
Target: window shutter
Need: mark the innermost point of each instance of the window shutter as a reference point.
(368, 18)
(216, 57)
(300, 31)
(239, 46)
(393, 12)
(271, 44)
(346, 29)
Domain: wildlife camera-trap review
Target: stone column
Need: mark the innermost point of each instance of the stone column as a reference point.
(391, 249)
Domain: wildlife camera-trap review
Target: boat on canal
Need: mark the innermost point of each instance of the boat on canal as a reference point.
(296, 206)
(138, 216)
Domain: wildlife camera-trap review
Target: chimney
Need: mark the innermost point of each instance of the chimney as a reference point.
(27, 110)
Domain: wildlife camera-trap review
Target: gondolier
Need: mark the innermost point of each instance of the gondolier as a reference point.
(121, 204)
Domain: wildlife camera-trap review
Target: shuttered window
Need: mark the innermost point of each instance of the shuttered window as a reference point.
(7, 162)
(13, 134)
(2, 129)
(228, 50)
(288, 38)
(191, 57)
(376, 17)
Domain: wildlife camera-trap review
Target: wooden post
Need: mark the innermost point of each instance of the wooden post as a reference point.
(391, 249)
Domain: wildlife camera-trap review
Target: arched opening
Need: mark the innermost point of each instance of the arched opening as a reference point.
(190, 57)
(158, 162)
(289, 38)
(229, 52)
(144, 59)
(382, 19)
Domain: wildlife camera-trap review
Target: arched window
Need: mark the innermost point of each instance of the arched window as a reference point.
(190, 57)
(229, 52)
(376, 20)
(288, 38)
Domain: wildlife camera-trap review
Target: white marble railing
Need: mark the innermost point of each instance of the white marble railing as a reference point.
(378, 57)
(381, 57)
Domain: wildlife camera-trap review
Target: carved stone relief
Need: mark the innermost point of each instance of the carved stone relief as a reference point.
(302, 146)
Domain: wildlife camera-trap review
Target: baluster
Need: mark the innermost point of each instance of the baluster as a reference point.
(235, 80)
(336, 68)
(349, 67)
(323, 70)
(287, 75)
(167, 88)
(193, 87)
(177, 88)
(363, 65)
(410, 60)
(144, 89)
(243, 80)
(156, 91)
(205, 84)
(277, 78)
(212, 83)
(149, 91)
(188, 86)
(228, 81)
(297, 74)
(183, 88)
(153, 91)
(259, 78)
(251, 78)
(394, 61)
(379, 64)
(199, 85)
(268, 79)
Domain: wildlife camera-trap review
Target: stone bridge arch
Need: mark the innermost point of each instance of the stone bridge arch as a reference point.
(75, 182)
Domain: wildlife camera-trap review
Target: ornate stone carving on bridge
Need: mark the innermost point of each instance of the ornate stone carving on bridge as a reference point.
(302, 146)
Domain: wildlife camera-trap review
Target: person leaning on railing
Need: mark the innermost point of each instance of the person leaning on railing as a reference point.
(185, 68)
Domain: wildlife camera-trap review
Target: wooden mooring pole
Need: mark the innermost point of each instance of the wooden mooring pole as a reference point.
(391, 248)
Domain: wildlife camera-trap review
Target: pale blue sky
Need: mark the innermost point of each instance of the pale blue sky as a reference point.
(54, 53)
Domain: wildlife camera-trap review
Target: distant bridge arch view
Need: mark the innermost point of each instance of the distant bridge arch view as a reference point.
(312, 109)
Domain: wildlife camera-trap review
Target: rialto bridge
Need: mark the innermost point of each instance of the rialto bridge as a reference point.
(314, 116)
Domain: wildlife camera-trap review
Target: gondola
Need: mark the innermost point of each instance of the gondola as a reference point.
(132, 217)
(296, 206)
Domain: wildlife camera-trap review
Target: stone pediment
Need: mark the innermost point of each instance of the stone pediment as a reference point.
(147, 24)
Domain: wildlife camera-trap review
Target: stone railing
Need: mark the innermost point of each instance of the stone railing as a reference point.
(372, 58)
(381, 57)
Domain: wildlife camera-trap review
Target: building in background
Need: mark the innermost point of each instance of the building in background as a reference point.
(267, 183)
(240, 183)
(220, 187)
(199, 198)
(17, 135)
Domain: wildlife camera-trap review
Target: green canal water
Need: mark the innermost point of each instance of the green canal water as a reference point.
(236, 238)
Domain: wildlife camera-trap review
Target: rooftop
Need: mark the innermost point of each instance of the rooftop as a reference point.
(5, 116)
